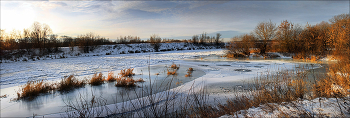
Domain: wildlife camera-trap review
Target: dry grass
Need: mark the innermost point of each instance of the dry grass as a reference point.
(173, 72)
(111, 77)
(127, 72)
(125, 82)
(140, 80)
(336, 83)
(235, 55)
(189, 72)
(268, 89)
(69, 83)
(33, 89)
(97, 79)
(174, 66)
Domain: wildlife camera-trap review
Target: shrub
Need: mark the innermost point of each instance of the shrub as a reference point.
(97, 79)
(111, 77)
(127, 72)
(70, 82)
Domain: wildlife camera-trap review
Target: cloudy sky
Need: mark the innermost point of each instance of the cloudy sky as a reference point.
(168, 19)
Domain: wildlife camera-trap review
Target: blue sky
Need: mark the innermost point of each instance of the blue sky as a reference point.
(168, 19)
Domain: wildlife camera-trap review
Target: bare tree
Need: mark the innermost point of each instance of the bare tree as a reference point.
(217, 39)
(39, 34)
(265, 32)
(155, 41)
(195, 39)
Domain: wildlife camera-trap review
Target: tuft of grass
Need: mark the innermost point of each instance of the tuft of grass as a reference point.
(97, 79)
(111, 77)
(171, 72)
(70, 82)
(189, 72)
(34, 88)
(125, 82)
(127, 72)
(174, 66)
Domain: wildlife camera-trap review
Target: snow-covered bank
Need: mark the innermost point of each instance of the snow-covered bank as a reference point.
(67, 52)
(318, 107)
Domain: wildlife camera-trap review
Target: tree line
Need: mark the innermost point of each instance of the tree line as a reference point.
(319, 40)
(40, 36)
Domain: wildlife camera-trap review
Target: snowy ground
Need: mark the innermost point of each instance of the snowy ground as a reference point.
(218, 72)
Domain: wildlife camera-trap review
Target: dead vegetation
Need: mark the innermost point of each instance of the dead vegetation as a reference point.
(189, 72)
(174, 66)
(126, 79)
(111, 77)
(34, 88)
(69, 83)
(127, 72)
(125, 82)
(97, 79)
(171, 72)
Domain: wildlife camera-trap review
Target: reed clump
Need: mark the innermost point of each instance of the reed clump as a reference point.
(34, 88)
(189, 72)
(127, 72)
(69, 83)
(111, 77)
(174, 66)
(125, 82)
(97, 79)
(171, 72)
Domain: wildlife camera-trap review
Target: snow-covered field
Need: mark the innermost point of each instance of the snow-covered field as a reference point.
(217, 70)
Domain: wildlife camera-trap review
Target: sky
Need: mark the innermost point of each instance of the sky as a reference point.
(167, 19)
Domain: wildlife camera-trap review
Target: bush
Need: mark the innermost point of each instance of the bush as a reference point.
(97, 79)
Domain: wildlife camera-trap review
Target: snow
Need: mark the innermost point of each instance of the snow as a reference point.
(217, 71)
(318, 107)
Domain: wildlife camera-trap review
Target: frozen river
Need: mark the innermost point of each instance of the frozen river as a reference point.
(209, 68)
